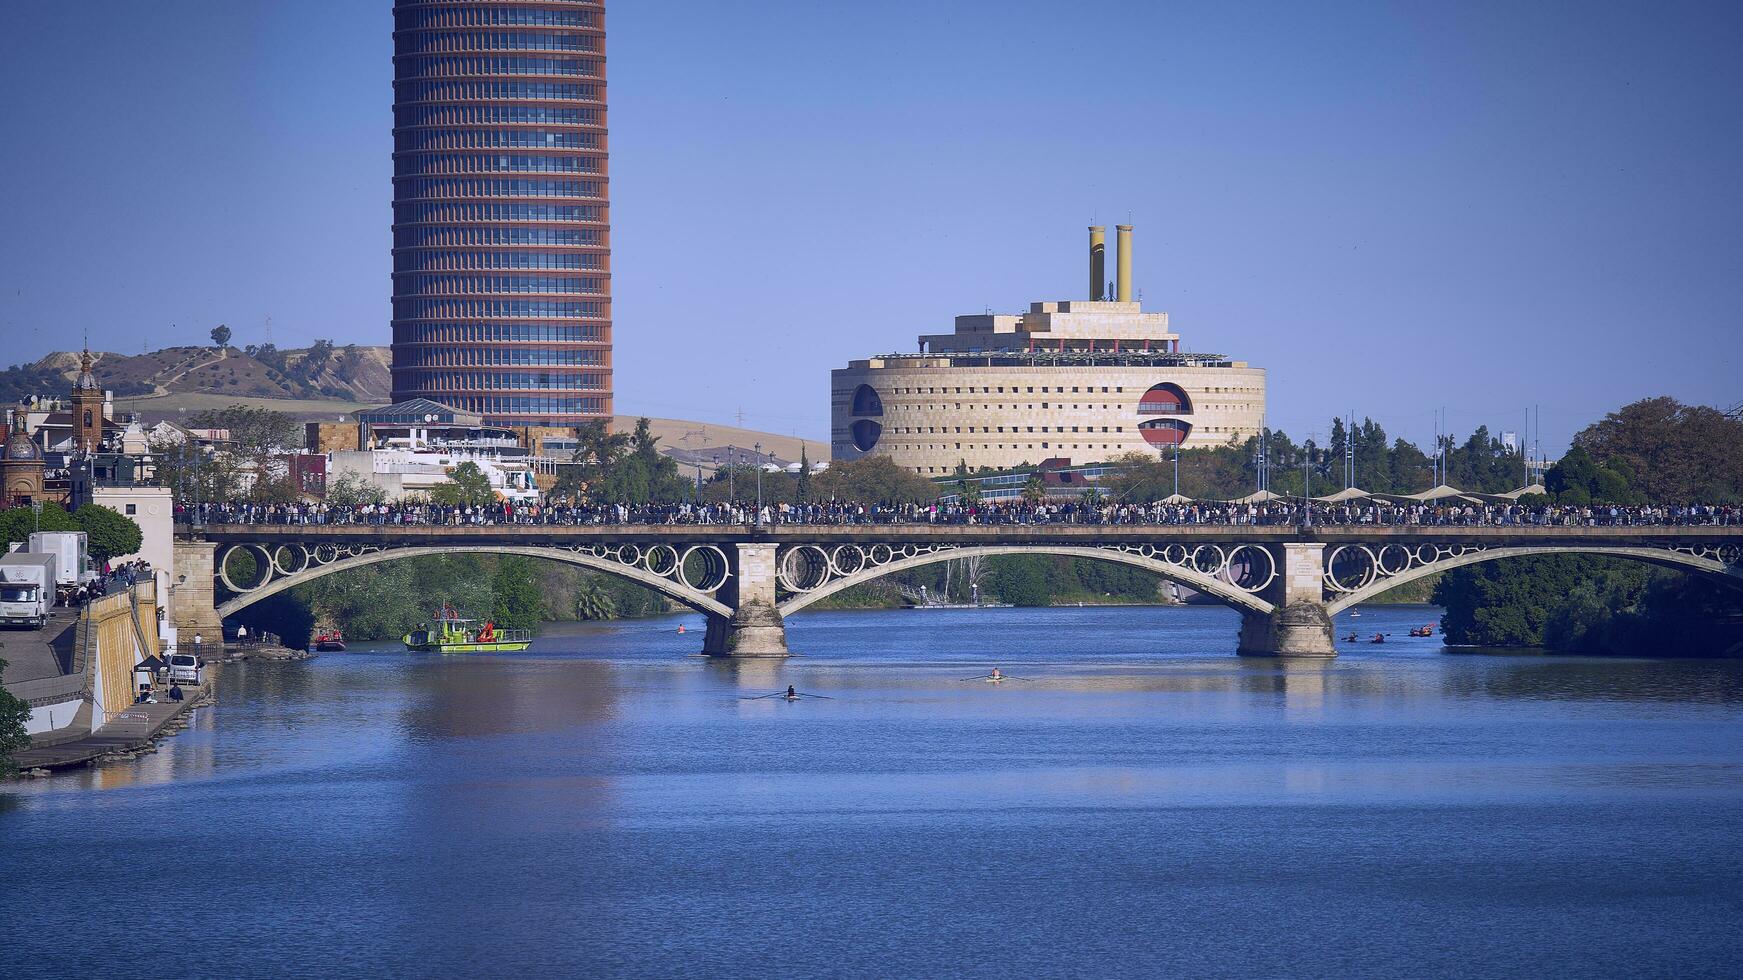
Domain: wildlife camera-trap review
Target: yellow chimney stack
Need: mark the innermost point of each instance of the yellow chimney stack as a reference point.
(1098, 269)
(1123, 285)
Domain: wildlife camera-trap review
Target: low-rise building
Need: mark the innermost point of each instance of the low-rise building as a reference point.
(408, 449)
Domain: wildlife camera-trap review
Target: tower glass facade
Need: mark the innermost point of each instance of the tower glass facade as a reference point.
(501, 215)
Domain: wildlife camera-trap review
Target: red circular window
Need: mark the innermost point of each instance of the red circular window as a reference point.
(1165, 432)
(1166, 398)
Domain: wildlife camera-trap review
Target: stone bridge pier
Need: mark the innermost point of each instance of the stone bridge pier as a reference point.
(756, 628)
(192, 601)
(1300, 622)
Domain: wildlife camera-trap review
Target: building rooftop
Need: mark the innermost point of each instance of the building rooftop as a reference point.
(417, 411)
(1106, 357)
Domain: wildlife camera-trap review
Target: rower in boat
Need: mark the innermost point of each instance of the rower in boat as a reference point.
(792, 695)
(1378, 638)
(996, 676)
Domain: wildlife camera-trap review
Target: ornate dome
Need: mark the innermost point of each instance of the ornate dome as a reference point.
(86, 381)
(20, 449)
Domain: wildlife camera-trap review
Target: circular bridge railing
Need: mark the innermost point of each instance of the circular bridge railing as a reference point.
(805, 568)
(703, 568)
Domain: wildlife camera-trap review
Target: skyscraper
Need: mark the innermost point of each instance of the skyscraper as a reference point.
(501, 221)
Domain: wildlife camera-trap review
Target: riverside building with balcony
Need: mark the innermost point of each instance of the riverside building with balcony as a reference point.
(1079, 380)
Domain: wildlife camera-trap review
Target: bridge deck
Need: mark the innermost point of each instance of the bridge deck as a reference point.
(534, 535)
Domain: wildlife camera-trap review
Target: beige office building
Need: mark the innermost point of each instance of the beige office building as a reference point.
(1084, 380)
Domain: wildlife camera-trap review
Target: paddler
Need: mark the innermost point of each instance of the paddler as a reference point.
(792, 695)
(996, 675)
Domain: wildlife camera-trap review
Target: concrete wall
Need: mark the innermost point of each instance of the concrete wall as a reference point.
(116, 646)
(48, 717)
(153, 509)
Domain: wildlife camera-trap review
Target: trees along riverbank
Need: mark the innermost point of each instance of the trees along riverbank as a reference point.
(1658, 451)
(14, 712)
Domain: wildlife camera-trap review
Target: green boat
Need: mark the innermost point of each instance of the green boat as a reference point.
(451, 633)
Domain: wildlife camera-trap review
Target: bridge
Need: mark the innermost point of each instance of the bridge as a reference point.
(1287, 582)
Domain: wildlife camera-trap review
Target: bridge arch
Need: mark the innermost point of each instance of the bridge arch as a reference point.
(1663, 557)
(1210, 585)
(694, 598)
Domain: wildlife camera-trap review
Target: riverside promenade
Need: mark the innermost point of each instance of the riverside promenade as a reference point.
(133, 729)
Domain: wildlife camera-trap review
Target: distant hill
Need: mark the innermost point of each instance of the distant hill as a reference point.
(324, 382)
(324, 372)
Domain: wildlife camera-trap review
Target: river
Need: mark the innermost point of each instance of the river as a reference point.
(1143, 803)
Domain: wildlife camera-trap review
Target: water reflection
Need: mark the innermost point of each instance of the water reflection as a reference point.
(1597, 679)
(470, 697)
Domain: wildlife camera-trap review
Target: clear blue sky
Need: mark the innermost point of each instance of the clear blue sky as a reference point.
(1393, 206)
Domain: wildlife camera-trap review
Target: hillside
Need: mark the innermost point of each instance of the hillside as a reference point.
(324, 382)
(323, 372)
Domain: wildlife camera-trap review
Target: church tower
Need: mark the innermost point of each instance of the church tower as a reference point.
(87, 409)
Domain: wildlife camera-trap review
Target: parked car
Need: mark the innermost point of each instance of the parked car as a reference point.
(184, 668)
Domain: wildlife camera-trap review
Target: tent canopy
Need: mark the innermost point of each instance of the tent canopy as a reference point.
(1438, 494)
(1176, 498)
(1349, 493)
(1261, 497)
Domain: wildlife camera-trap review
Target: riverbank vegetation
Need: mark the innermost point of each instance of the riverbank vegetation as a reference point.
(1659, 451)
(14, 712)
(388, 600)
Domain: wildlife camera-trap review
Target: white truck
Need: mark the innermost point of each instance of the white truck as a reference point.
(27, 583)
(72, 554)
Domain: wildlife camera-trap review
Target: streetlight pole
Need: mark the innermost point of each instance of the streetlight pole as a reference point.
(1177, 466)
(731, 483)
(759, 453)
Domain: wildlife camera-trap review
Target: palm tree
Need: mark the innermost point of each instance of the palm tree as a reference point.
(1034, 491)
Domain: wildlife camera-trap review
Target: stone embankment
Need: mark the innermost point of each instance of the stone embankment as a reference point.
(132, 733)
(263, 651)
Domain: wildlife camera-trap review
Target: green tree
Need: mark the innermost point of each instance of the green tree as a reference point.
(352, 490)
(221, 336)
(594, 602)
(108, 533)
(17, 524)
(1034, 491)
(518, 602)
(1669, 452)
(253, 431)
(802, 486)
(467, 486)
(875, 479)
(14, 712)
(1512, 601)
(967, 488)
(1019, 581)
(1578, 479)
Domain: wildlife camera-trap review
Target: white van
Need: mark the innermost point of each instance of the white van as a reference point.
(184, 668)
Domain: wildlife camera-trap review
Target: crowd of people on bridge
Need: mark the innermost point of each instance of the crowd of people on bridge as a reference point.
(1277, 513)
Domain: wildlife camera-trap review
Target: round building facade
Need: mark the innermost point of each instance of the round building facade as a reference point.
(931, 413)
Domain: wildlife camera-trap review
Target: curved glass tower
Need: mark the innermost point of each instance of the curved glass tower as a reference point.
(501, 223)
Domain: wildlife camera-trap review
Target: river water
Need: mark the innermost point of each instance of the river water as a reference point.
(1145, 803)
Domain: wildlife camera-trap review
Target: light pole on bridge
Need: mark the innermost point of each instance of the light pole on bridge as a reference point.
(759, 454)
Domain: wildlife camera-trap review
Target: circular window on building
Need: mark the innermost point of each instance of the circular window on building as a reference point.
(1165, 432)
(866, 401)
(865, 434)
(1166, 398)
